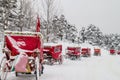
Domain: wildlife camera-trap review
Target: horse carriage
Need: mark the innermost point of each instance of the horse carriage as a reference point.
(22, 54)
(52, 53)
(97, 52)
(118, 52)
(73, 53)
(85, 52)
(112, 51)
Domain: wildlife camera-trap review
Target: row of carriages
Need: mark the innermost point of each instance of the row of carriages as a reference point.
(53, 53)
(114, 52)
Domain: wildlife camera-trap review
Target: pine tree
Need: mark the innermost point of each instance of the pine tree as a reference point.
(8, 14)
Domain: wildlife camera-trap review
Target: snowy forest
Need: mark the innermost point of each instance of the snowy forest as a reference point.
(19, 15)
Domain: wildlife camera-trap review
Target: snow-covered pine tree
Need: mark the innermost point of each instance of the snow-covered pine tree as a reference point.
(1, 14)
(92, 34)
(63, 28)
(8, 14)
(82, 36)
(71, 32)
(59, 24)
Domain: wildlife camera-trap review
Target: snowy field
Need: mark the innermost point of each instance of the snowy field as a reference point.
(104, 67)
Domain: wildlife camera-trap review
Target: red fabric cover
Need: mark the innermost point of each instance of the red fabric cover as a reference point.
(97, 51)
(57, 51)
(112, 51)
(118, 52)
(74, 50)
(54, 51)
(85, 51)
(29, 43)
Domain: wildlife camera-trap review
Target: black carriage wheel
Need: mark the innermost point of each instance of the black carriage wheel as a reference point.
(73, 57)
(3, 69)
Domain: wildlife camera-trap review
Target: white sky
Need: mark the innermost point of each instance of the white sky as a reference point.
(105, 14)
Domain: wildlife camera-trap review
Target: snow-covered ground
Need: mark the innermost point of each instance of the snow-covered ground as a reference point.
(104, 67)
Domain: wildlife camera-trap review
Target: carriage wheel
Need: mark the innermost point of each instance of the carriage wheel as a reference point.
(73, 57)
(16, 74)
(61, 60)
(3, 69)
(37, 69)
(66, 56)
(79, 57)
(51, 61)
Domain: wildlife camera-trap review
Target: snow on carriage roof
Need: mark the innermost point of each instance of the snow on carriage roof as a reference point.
(51, 44)
(22, 32)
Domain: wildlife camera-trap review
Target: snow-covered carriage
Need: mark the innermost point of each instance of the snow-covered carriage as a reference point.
(112, 51)
(118, 52)
(85, 52)
(23, 54)
(97, 51)
(52, 53)
(73, 53)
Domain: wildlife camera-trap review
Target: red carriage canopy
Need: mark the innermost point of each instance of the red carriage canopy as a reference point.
(23, 43)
